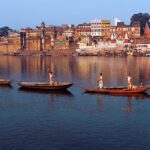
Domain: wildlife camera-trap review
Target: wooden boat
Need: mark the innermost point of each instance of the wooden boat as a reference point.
(118, 90)
(5, 82)
(45, 85)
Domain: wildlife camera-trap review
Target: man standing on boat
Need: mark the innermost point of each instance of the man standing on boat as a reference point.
(129, 82)
(100, 81)
(51, 77)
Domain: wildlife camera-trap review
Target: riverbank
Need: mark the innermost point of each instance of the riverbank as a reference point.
(72, 52)
(63, 52)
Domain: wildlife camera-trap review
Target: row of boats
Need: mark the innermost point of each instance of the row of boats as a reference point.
(39, 85)
(62, 86)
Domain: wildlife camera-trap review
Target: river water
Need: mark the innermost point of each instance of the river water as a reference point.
(74, 120)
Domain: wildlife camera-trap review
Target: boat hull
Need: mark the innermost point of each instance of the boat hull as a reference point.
(44, 85)
(5, 82)
(123, 90)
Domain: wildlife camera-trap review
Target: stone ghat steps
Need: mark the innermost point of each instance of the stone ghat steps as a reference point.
(53, 52)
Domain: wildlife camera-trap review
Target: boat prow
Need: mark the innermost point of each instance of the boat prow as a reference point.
(45, 85)
(5, 82)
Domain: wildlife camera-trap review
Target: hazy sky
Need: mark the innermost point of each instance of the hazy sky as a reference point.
(30, 13)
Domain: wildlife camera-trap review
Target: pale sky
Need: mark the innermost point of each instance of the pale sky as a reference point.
(30, 13)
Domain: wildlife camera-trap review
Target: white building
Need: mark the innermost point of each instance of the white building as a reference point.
(100, 27)
(96, 28)
(116, 20)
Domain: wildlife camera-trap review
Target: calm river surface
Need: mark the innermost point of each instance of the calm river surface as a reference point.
(36, 120)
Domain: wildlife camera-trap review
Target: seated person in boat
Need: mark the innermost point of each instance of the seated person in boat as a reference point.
(51, 77)
(100, 81)
(129, 82)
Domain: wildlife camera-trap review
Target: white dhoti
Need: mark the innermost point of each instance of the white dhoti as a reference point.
(100, 84)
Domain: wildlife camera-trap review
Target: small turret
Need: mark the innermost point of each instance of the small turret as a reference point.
(113, 38)
(126, 38)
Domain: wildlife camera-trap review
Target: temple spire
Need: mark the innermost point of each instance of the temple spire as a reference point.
(147, 31)
(126, 38)
(113, 38)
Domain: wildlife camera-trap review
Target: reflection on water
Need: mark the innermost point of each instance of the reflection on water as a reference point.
(129, 98)
(32, 91)
(115, 69)
(100, 102)
(73, 120)
(52, 96)
(8, 87)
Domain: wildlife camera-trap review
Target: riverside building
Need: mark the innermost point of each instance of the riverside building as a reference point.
(100, 27)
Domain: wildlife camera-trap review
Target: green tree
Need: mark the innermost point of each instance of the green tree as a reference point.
(4, 31)
(142, 18)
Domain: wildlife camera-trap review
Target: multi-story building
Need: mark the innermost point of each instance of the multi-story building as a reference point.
(96, 28)
(121, 29)
(100, 27)
(135, 30)
(68, 33)
(105, 27)
(142, 44)
(41, 38)
(116, 20)
(44, 38)
(11, 43)
(84, 29)
(31, 39)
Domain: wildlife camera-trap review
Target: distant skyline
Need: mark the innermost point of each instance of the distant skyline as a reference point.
(18, 14)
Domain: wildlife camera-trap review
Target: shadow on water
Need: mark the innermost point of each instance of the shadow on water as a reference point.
(32, 91)
(8, 87)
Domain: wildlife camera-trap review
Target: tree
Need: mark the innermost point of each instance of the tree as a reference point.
(4, 31)
(142, 18)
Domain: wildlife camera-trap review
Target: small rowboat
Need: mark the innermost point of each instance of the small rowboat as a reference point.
(5, 82)
(118, 90)
(45, 85)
